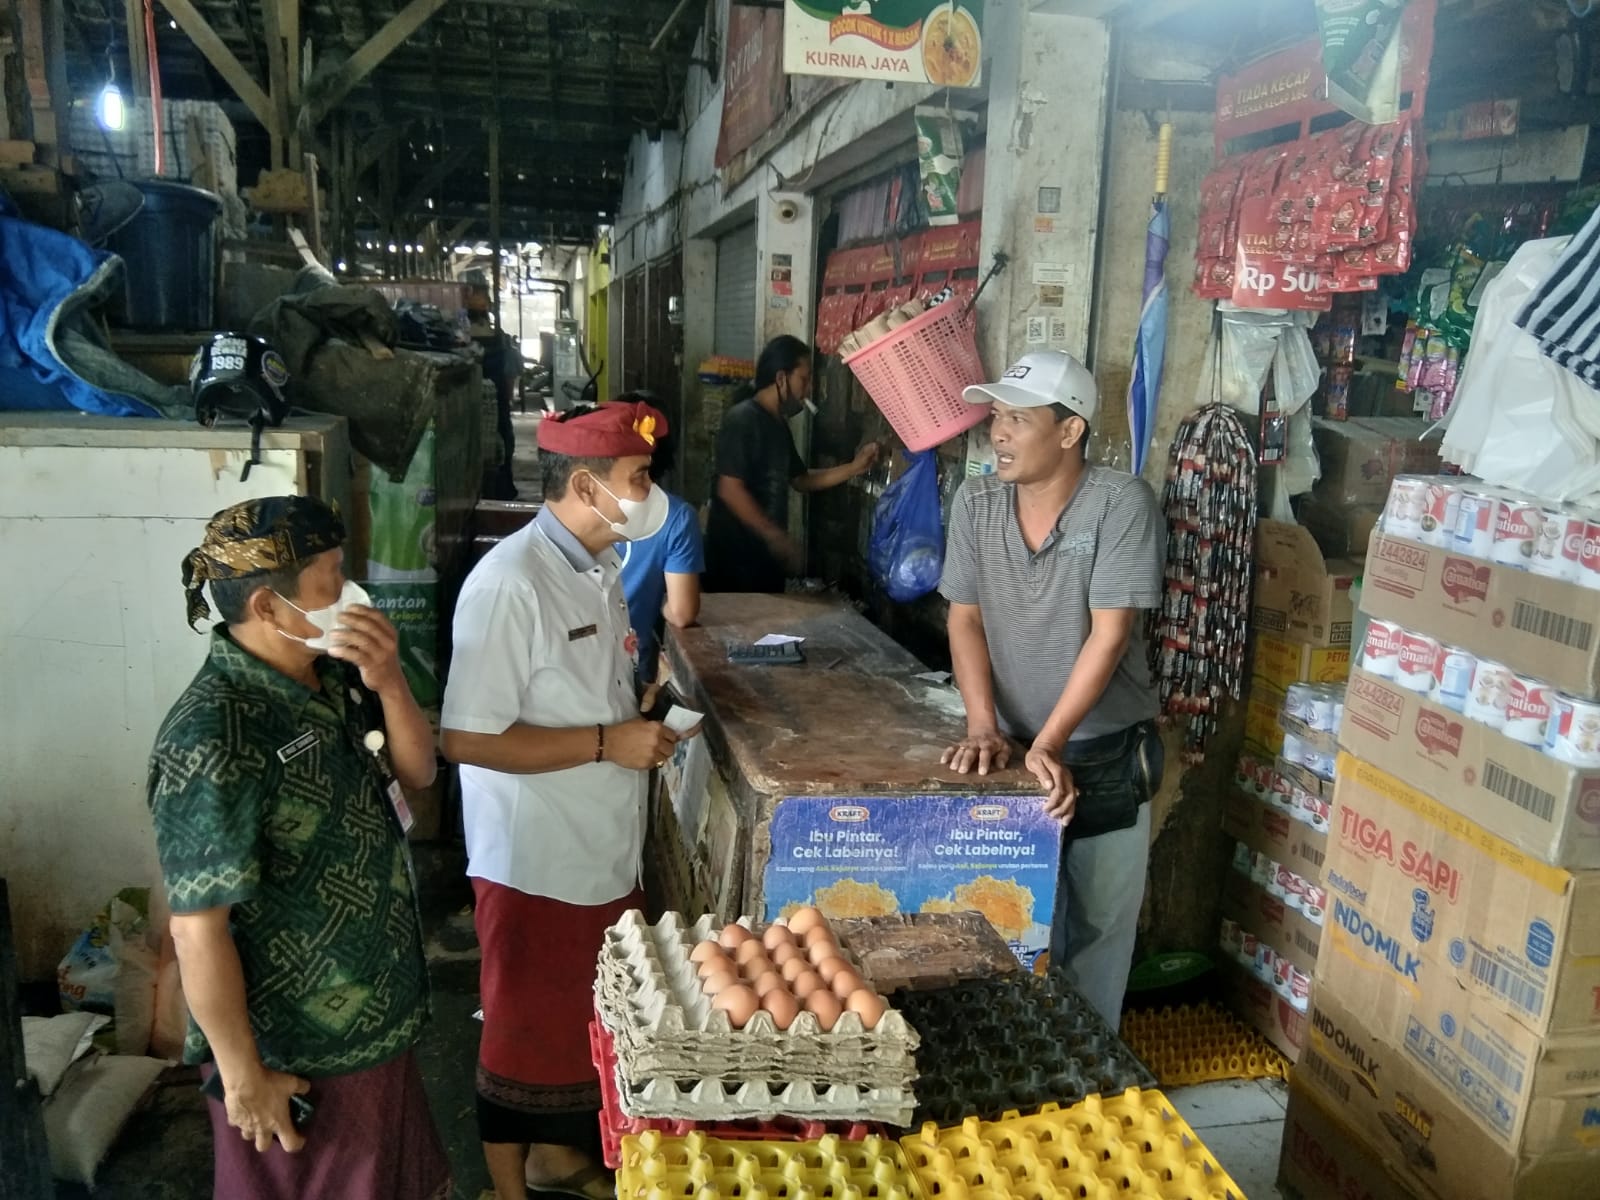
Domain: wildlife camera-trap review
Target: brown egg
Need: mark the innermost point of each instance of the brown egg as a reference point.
(716, 963)
(703, 951)
(740, 1003)
(775, 936)
(805, 983)
(748, 950)
(756, 966)
(769, 979)
(818, 935)
(821, 952)
(846, 983)
(831, 966)
(794, 967)
(720, 982)
(734, 936)
(783, 1007)
(867, 1005)
(826, 1008)
(804, 921)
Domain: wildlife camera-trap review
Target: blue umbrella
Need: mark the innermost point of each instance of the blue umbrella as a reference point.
(1150, 343)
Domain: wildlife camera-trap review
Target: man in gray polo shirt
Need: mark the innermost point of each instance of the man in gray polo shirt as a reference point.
(1050, 565)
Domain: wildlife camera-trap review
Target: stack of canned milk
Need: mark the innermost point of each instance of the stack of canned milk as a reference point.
(1252, 952)
(1525, 709)
(1499, 526)
(1319, 707)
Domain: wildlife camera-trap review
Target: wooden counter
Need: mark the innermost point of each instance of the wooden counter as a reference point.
(821, 783)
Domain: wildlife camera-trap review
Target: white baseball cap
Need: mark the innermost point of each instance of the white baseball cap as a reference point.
(1039, 379)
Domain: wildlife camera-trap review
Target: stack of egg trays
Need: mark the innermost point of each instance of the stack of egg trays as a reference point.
(615, 1125)
(658, 1167)
(1013, 1043)
(1133, 1146)
(679, 1058)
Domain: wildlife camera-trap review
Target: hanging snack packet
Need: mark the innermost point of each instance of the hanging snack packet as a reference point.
(940, 150)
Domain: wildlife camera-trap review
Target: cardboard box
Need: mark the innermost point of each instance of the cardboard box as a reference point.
(1300, 596)
(1341, 530)
(1261, 1008)
(1259, 912)
(1261, 728)
(1536, 626)
(1417, 890)
(1263, 826)
(1324, 1159)
(1278, 663)
(1537, 803)
(1360, 457)
(1395, 1106)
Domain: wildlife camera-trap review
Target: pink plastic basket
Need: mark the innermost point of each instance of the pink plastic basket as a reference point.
(915, 375)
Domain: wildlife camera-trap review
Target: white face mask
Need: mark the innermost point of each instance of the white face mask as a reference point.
(327, 619)
(641, 519)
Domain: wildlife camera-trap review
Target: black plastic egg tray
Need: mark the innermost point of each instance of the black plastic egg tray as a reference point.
(1013, 1044)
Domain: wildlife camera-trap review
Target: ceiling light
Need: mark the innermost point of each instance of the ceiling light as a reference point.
(109, 108)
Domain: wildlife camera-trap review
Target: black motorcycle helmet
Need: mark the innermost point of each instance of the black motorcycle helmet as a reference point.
(238, 377)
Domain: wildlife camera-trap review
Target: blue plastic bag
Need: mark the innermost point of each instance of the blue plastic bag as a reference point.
(906, 553)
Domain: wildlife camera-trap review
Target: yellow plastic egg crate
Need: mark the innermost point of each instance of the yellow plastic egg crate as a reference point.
(1200, 1044)
(1133, 1146)
(696, 1167)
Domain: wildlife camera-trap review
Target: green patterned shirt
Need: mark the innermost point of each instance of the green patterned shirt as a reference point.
(266, 801)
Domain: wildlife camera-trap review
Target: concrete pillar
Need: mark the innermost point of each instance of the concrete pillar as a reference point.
(786, 255)
(1049, 84)
(695, 447)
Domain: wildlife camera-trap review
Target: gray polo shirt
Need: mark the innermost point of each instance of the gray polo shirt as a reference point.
(1106, 552)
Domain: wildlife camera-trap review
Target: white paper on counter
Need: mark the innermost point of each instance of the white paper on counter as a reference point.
(681, 720)
(778, 639)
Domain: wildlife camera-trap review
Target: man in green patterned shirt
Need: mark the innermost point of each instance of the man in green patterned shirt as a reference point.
(276, 788)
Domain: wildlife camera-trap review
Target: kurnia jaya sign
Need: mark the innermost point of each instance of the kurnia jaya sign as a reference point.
(915, 41)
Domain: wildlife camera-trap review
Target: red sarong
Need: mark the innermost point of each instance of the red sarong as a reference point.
(537, 985)
(370, 1138)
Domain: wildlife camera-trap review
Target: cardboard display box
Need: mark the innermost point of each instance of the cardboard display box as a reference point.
(1263, 826)
(1278, 663)
(1396, 1107)
(1300, 596)
(1342, 531)
(1261, 728)
(1261, 1008)
(1259, 912)
(1537, 803)
(1417, 891)
(1323, 1159)
(1536, 626)
(1360, 457)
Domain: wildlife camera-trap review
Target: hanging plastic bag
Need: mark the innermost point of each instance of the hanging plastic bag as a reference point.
(907, 549)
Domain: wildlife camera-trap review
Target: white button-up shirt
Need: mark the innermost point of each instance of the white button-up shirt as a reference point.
(542, 638)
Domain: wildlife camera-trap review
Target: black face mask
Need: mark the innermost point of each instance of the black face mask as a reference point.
(788, 406)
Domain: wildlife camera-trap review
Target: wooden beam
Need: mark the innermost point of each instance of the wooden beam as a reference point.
(436, 175)
(221, 58)
(378, 145)
(289, 30)
(377, 48)
(278, 82)
(456, 231)
(138, 48)
(494, 211)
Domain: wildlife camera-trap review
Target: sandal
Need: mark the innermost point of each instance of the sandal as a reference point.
(578, 1185)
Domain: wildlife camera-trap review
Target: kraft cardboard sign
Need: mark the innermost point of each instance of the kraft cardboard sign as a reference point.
(1299, 596)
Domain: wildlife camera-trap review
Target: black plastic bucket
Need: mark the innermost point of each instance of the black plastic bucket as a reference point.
(169, 255)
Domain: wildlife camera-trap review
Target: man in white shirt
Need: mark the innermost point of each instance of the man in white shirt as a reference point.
(543, 715)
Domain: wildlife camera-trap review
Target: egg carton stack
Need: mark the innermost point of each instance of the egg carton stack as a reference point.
(678, 1057)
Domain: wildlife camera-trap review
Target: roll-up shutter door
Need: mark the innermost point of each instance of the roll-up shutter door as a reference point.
(735, 333)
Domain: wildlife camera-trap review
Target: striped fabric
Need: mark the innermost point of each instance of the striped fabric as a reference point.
(1563, 314)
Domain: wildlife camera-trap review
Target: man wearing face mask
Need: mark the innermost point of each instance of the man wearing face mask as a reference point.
(275, 787)
(543, 715)
(748, 548)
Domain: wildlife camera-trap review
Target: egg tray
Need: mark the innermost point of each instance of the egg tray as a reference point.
(649, 996)
(1200, 1044)
(1016, 1043)
(1133, 1146)
(656, 1166)
(616, 1124)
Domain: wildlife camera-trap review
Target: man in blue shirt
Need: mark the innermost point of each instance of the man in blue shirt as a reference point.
(661, 574)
